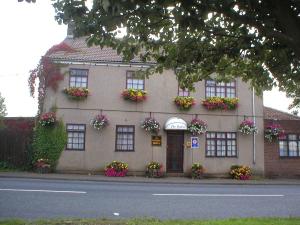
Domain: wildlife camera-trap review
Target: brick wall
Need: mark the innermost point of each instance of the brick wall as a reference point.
(276, 166)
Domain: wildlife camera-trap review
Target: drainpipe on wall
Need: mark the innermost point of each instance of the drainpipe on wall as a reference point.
(254, 121)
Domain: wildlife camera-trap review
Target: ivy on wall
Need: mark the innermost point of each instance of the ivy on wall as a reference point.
(49, 142)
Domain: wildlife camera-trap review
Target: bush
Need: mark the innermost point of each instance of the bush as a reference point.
(197, 171)
(116, 169)
(240, 172)
(49, 142)
(154, 169)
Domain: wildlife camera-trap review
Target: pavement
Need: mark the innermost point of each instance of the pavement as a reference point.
(140, 179)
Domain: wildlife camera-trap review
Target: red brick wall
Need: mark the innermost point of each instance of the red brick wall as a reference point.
(276, 166)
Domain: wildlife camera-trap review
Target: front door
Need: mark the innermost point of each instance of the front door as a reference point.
(175, 140)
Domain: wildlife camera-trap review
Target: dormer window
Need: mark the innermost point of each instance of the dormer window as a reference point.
(78, 78)
(220, 89)
(133, 81)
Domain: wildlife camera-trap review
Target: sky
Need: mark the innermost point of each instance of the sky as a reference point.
(27, 32)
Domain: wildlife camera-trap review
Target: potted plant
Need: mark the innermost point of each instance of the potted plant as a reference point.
(42, 166)
(76, 93)
(197, 127)
(247, 127)
(47, 119)
(134, 95)
(116, 169)
(240, 172)
(273, 132)
(154, 169)
(213, 103)
(197, 171)
(151, 125)
(99, 122)
(184, 102)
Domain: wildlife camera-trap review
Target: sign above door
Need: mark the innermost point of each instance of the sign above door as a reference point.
(175, 123)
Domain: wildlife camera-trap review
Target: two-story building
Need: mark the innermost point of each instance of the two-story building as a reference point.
(104, 73)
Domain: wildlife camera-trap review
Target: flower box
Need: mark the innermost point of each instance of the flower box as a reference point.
(197, 171)
(197, 127)
(274, 132)
(116, 169)
(134, 95)
(99, 122)
(184, 102)
(47, 119)
(76, 93)
(154, 170)
(239, 172)
(42, 166)
(214, 103)
(248, 127)
(151, 125)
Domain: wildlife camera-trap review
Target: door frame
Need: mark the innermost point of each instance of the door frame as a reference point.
(179, 133)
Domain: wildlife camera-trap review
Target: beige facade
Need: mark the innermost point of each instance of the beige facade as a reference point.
(106, 81)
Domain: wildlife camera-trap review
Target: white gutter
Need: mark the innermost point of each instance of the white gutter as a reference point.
(103, 64)
(254, 121)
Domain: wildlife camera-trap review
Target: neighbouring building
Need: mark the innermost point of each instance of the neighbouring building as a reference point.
(104, 73)
(282, 158)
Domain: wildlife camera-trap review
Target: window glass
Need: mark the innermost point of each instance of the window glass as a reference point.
(221, 144)
(221, 89)
(133, 81)
(289, 145)
(76, 137)
(78, 78)
(125, 138)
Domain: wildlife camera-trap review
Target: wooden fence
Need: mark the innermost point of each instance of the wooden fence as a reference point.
(15, 141)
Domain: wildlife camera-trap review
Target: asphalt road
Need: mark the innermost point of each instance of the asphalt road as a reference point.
(32, 198)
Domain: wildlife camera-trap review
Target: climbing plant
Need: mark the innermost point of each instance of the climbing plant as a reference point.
(48, 73)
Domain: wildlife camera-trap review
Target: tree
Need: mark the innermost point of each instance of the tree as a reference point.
(2, 107)
(257, 40)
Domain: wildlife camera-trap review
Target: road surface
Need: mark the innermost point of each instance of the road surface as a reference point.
(33, 198)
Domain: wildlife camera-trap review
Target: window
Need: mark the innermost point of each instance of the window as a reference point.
(221, 144)
(124, 138)
(214, 89)
(133, 81)
(78, 78)
(76, 136)
(289, 145)
(183, 92)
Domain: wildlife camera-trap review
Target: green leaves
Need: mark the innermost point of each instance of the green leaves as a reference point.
(49, 142)
(258, 41)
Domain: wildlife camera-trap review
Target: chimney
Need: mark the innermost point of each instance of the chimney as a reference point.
(70, 31)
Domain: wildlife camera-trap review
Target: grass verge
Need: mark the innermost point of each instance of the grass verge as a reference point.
(244, 221)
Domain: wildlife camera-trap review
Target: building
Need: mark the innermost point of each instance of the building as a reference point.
(106, 76)
(282, 158)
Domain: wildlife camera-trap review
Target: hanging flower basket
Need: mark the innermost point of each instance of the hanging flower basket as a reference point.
(184, 103)
(154, 169)
(214, 103)
(274, 132)
(99, 122)
(134, 95)
(116, 169)
(47, 119)
(76, 93)
(248, 127)
(151, 125)
(197, 127)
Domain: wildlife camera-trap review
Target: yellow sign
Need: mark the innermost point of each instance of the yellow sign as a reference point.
(156, 140)
(188, 144)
